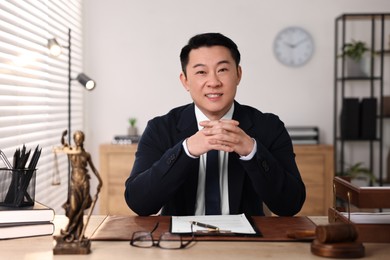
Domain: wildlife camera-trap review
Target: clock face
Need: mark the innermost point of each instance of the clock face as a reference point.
(293, 46)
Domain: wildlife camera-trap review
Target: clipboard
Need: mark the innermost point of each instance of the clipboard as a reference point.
(224, 231)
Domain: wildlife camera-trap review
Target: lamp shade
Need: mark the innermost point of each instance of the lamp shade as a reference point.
(86, 81)
(54, 47)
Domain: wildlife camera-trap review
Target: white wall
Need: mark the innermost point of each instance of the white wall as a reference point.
(132, 51)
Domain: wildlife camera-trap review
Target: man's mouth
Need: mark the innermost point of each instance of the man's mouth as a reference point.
(213, 95)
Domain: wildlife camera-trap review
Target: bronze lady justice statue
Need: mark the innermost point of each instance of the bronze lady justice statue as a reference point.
(79, 198)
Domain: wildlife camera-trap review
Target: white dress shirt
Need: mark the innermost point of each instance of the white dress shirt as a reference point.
(223, 169)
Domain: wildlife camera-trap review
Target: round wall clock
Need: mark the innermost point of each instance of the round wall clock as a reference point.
(293, 46)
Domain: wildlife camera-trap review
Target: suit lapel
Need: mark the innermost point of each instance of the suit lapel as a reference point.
(236, 173)
(239, 114)
(187, 126)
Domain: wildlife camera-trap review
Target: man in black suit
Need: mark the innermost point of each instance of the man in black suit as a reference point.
(256, 158)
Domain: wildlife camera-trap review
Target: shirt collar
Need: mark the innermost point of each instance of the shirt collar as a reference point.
(202, 117)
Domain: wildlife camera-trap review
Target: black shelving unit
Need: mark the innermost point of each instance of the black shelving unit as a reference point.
(374, 28)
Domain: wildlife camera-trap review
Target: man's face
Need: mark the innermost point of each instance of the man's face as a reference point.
(212, 80)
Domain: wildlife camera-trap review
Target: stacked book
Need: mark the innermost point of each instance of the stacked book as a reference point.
(17, 222)
(126, 139)
(304, 135)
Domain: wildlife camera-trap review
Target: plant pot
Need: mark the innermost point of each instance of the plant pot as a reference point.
(357, 68)
(132, 131)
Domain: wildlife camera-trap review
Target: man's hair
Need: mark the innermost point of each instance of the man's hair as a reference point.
(208, 40)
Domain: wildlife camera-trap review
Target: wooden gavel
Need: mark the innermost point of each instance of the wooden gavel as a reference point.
(330, 233)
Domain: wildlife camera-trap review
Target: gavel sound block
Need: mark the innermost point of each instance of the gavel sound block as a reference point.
(337, 240)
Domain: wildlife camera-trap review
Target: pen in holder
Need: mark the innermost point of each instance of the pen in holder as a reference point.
(17, 181)
(17, 187)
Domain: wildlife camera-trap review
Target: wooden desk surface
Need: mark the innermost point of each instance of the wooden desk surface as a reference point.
(42, 248)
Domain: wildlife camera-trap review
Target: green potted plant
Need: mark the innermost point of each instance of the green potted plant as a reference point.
(132, 130)
(356, 58)
(357, 171)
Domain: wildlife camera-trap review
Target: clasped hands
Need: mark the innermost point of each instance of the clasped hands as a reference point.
(224, 135)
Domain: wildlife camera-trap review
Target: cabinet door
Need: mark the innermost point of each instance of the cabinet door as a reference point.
(315, 163)
(116, 162)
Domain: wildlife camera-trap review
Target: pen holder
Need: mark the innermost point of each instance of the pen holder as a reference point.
(17, 187)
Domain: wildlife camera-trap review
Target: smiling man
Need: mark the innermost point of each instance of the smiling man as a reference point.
(253, 153)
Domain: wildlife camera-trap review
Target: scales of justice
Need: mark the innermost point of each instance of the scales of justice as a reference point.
(72, 239)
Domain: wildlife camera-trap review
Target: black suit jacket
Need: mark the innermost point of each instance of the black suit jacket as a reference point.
(164, 176)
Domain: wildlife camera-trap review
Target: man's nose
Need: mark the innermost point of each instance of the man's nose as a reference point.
(213, 80)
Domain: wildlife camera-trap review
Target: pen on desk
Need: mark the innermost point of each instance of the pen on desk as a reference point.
(199, 224)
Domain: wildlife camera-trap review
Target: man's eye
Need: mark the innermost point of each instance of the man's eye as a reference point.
(200, 72)
(222, 70)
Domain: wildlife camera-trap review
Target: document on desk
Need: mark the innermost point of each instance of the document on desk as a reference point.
(225, 223)
(369, 218)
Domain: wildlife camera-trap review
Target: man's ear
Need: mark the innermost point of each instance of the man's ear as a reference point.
(184, 81)
(239, 74)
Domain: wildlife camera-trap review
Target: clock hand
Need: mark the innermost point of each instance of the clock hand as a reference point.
(299, 42)
(289, 44)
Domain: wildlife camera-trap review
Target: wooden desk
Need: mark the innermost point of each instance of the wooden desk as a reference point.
(42, 248)
(315, 163)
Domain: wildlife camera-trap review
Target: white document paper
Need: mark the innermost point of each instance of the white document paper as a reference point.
(232, 223)
(369, 218)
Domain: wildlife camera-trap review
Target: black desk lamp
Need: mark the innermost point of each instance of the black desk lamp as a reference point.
(55, 50)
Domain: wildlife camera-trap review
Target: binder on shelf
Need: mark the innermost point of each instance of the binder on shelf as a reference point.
(368, 122)
(349, 119)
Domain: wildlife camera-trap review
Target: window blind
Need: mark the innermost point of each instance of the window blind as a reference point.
(34, 86)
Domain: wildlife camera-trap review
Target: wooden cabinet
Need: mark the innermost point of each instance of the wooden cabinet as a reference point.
(315, 163)
(116, 162)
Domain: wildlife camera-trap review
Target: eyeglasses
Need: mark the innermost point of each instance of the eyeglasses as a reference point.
(167, 240)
